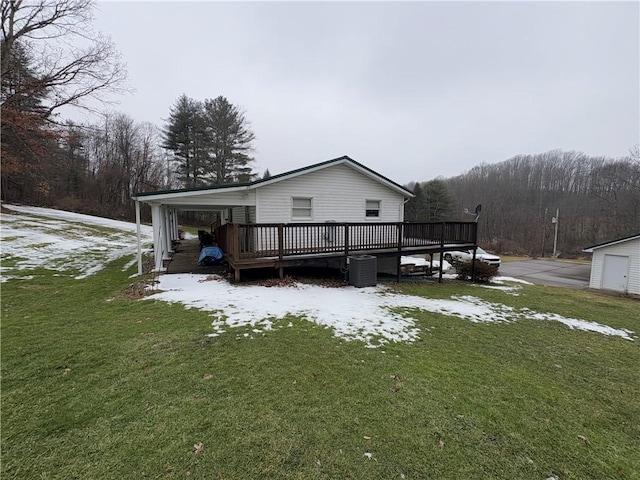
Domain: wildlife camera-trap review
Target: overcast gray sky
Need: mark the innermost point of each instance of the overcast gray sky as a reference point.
(413, 90)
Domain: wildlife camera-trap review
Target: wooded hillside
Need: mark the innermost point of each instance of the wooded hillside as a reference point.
(598, 200)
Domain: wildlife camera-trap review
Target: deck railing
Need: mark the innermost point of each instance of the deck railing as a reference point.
(242, 241)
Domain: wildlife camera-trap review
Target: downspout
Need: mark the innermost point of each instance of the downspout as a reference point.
(402, 208)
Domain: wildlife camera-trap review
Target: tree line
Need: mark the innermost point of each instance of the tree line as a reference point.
(52, 58)
(96, 167)
(598, 199)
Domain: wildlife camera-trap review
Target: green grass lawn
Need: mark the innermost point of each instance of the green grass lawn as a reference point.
(95, 385)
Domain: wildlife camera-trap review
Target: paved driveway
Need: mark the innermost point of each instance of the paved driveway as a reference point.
(548, 272)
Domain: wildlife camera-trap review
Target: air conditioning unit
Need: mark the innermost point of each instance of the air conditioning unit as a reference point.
(363, 271)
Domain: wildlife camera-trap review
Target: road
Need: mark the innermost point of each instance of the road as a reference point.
(549, 272)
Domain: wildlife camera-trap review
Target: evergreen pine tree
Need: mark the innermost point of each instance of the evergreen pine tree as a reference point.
(229, 142)
(437, 201)
(185, 136)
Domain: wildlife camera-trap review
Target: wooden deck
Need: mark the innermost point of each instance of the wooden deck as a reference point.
(185, 260)
(250, 246)
(279, 246)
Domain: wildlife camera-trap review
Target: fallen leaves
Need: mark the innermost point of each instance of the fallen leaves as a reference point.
(584, 439)
(279, 282)
(398, 385)
(210, 278)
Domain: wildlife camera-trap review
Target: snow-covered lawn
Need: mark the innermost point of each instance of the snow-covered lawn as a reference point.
(81, 245)
(68, 243)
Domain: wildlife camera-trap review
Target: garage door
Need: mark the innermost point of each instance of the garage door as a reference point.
(615, 273)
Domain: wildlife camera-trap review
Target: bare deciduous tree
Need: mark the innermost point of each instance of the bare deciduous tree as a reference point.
(70, 61)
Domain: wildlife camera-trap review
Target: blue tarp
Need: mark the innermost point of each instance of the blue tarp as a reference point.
(210, 255)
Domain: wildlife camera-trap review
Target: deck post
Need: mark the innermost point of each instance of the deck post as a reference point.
(281, 249)
(441, 250)
(235, 244)
(473, 266)
(475, 246)
(399, 260)
(280, 241)
(346, 251)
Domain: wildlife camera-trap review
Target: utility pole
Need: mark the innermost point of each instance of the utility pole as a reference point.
(555, 235)
(544, 231)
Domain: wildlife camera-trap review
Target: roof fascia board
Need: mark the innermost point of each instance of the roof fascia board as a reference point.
(608, 244)
(150, 198)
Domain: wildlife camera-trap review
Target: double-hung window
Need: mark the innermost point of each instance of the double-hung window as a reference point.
(301, 208)
(372, 209)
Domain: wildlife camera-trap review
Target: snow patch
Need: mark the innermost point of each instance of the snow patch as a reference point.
(374, 315)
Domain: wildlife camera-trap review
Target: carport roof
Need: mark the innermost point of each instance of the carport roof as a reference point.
(612, 242)
(166, 194)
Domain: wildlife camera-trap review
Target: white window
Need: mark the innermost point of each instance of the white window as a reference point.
(372, 208)
(301, 208)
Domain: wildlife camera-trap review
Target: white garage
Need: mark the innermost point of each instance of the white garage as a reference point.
(616, 265)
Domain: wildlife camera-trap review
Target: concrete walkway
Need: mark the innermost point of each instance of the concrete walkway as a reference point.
(549, 272)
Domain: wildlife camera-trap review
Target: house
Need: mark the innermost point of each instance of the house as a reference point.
(328, 210)
(616, 265)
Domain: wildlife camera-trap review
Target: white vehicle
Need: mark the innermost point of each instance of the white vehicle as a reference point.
(467, 255)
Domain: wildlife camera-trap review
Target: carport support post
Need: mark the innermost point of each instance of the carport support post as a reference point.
(139, 256)
(168, 250)
(156, 220)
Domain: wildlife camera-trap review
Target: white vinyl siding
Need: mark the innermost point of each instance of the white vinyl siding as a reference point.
(629, 248)
(243, 214)
(372, 209)
(301, 208)
(339, 193)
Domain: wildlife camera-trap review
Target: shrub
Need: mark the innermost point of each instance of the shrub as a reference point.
(484, 271)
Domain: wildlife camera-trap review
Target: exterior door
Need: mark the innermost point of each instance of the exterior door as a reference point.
(615, 273)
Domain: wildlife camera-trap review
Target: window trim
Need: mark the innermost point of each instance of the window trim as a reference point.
(294, 208)
(367, 210)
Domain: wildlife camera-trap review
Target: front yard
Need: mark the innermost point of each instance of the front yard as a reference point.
(96, 384)
(95, 387)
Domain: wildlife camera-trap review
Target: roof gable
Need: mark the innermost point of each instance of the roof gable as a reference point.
(165, 194)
